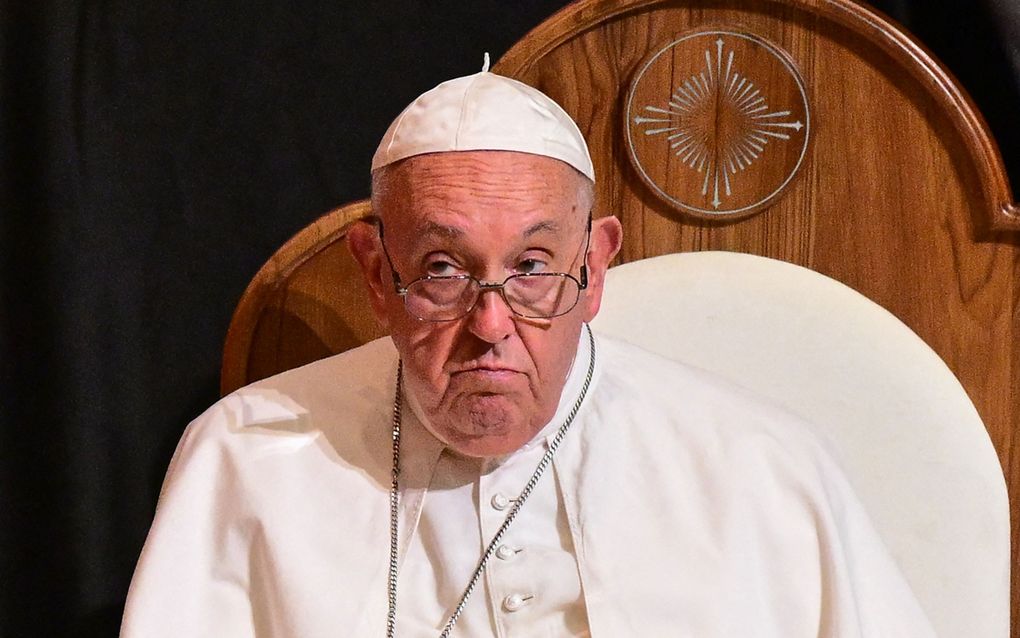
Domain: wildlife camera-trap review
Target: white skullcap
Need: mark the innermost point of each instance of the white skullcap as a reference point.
(484, 111)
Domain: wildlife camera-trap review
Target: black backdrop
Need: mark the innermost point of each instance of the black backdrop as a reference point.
(153, 155)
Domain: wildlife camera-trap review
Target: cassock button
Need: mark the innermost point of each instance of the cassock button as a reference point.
(500, 501)
(505, 552)
(513, 602)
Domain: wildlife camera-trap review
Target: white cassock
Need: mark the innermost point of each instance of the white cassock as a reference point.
(677, 505)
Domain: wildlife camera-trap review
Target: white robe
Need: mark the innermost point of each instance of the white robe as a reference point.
(695, 510)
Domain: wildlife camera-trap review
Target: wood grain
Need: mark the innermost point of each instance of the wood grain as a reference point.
(307, 302)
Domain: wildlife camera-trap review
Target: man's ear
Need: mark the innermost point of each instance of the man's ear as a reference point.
(606, 239)
(363, 242)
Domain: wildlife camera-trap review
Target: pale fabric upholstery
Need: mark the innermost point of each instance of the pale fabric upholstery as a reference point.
(905, 431)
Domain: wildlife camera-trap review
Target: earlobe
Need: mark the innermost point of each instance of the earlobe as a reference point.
(362, 241)
(606, 240)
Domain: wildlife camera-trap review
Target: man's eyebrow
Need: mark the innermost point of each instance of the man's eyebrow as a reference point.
(431, 228)
(544, 226)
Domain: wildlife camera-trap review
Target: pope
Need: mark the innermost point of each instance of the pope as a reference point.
(493, 467)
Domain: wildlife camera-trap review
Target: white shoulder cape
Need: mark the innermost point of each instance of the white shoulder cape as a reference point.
(696, 510)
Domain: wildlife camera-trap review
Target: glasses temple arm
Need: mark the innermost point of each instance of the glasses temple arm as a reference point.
(397, 285)
(584, 258)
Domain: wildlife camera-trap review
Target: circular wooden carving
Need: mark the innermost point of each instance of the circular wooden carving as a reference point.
(718, 123)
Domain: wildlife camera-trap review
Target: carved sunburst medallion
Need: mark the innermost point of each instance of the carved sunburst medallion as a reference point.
(718, 123)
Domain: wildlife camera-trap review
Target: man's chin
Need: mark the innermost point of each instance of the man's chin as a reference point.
(487, 446)
(486, 425)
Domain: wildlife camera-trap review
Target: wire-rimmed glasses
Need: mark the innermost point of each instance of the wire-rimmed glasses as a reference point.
(542, 295)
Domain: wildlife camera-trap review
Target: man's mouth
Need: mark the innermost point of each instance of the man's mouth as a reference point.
(485, 374)
(487, 371)
(484, 364)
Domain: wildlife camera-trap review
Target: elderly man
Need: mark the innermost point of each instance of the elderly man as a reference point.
(493, 468)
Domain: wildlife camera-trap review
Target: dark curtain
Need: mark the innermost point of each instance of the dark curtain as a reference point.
(153, 155)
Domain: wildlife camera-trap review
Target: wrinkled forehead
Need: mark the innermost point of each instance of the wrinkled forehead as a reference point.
(505, 188)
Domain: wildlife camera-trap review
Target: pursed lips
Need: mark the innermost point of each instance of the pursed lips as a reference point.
(488, 370)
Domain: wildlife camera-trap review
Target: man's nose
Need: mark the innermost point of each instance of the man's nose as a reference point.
(491, 319)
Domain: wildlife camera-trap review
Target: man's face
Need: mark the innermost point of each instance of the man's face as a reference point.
(489, 381)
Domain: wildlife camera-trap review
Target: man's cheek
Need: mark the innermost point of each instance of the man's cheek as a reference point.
(430, 372)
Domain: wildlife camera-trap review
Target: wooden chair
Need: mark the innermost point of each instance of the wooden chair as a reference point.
(810, 131)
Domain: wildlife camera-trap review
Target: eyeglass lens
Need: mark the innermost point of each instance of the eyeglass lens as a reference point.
(539, 295)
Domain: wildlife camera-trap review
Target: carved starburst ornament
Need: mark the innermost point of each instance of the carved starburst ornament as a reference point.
(718, 123)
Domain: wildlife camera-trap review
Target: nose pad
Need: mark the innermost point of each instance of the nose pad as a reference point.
(491, 319)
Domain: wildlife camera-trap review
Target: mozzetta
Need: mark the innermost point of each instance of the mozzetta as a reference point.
(677, 505)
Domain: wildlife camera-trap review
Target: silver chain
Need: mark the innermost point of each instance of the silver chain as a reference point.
(391, 578)
(543, 463)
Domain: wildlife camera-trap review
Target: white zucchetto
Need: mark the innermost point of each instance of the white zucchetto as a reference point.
(484, 111)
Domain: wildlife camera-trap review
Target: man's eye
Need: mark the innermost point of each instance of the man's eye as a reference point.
(531, 266)
(441, 268)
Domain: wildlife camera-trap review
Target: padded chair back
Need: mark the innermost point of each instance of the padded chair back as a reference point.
(912, 443)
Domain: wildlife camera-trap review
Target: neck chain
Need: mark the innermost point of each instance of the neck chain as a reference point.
(543, 463)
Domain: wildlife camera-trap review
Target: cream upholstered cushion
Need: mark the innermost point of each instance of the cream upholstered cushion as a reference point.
(897, 418)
